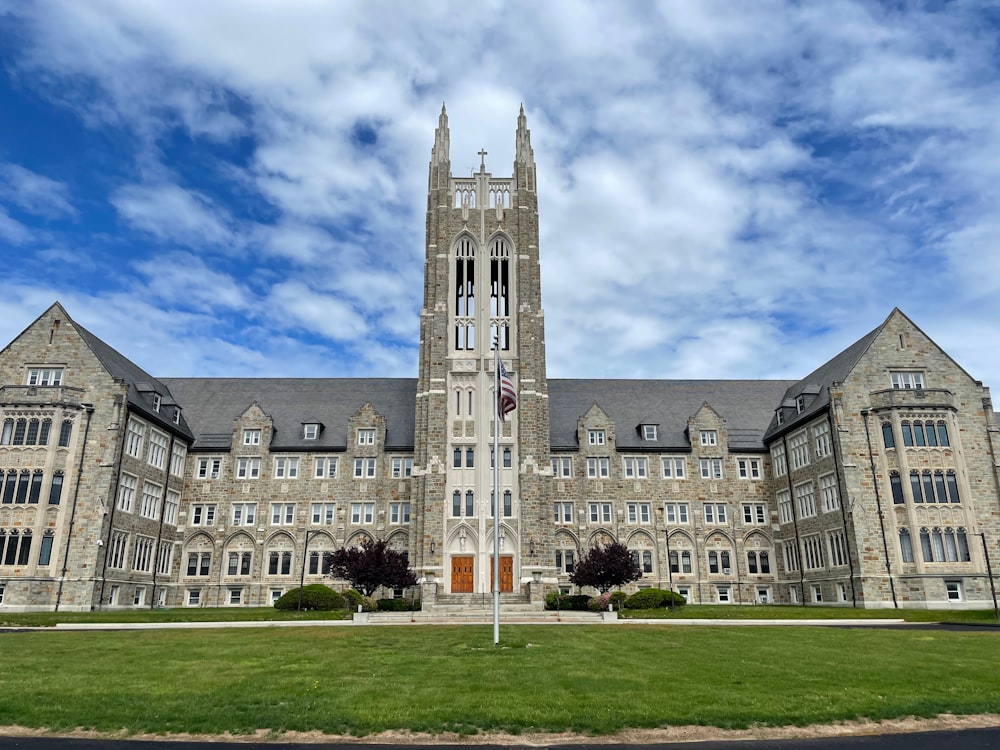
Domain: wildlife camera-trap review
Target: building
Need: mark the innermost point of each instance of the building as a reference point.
(874, 480)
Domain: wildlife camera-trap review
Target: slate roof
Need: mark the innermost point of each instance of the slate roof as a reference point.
(141, 385)
(746, 405)
(832, 371)
(212, 404)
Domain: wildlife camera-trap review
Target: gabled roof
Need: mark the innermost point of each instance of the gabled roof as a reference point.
(746, 405)
(123, 369)
(213, 404)
(819, 381)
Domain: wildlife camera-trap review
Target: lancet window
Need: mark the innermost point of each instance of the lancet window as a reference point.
(500, 283)
(465, 295)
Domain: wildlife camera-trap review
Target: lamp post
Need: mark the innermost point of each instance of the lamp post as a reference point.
(305, 557)
(989, 572)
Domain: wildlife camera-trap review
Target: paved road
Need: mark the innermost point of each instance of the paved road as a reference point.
(969, 739)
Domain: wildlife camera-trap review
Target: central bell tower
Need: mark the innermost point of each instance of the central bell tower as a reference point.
(481, 291)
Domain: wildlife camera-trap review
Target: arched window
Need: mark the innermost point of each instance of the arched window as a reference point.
(456, 503)
(915, 486)
(500, 283)
(907, 432)
(905, 546)
(897, 487)
(65, 433)
(928, 484)
(952, 482)
(963, 546)
(887, 436)
(925, 545)
(465, 294)
(942, 434)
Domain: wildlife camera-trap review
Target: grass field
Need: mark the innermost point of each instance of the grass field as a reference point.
(590, 679)
(695, 611)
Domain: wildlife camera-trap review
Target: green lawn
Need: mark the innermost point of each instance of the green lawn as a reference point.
(690, 611)
(591, 679)
(788, 612)
(181, 614)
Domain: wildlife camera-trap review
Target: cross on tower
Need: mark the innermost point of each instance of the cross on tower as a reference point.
(482, 159)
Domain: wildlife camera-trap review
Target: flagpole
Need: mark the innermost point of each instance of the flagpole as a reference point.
(496, 491)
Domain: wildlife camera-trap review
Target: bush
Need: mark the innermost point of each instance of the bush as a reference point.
(653, 599)
(599, 603)
(617, 599)
(353, 598)
(577, 602)
(315, 596)
(398, 605)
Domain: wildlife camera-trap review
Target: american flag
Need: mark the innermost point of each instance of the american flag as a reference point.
(507, 396)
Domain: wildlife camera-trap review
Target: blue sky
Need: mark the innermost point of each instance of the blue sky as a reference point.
(727, 190)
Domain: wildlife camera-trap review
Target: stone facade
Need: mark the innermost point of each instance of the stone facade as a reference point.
(873, 481)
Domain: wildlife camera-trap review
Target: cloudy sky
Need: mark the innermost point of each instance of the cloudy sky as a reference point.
(727, 189)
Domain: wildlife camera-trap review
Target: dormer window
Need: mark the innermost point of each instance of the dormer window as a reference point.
(156, 402)
(310, 430)
(649, 432)
(366, 437)
(709, 437)
(800, 403)
(780, 416)
(177, 415)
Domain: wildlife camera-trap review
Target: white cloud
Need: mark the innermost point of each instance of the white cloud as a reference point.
(174, 214)
(34, 193)
(13, 231)
(725, 190)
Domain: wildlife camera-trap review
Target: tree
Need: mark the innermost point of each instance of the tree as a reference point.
(606, 567)
(370, 566)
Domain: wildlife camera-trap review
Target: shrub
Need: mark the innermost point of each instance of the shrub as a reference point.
(353, 598)
(617, 599)
(315, 596)
(398, 605)
(567, 601)
(599, 603)
(653, 599)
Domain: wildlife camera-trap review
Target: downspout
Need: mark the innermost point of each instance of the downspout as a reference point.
(878, 506)
(795, 522)
(841, 490)
(114, 506)
(89, 409)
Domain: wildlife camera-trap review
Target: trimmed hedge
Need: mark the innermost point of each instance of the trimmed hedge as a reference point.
(354, 598)
(314, 596)
(653, 599)
(567, 601)
(398, 605)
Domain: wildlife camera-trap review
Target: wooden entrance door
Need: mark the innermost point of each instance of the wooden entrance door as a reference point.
(462, 569)
(506, 573)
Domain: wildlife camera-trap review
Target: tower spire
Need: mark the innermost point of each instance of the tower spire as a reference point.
(442, 138)
(522, 150)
